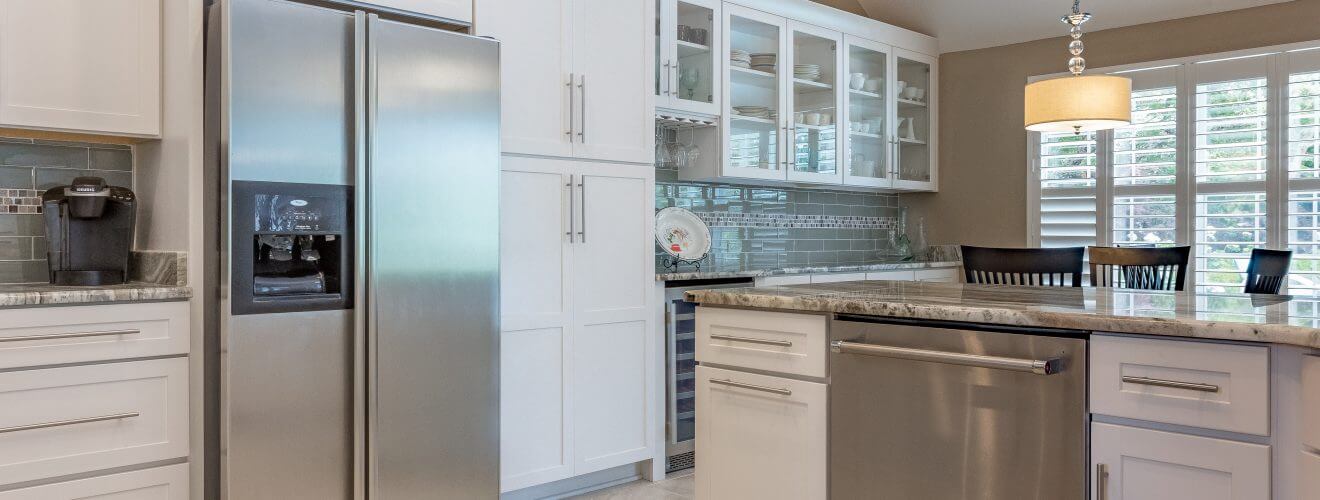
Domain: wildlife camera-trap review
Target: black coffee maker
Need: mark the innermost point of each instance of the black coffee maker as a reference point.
(89, 232)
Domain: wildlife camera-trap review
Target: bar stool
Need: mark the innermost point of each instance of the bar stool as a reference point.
(1267, 270)
(1023, 266)
(1139, 268)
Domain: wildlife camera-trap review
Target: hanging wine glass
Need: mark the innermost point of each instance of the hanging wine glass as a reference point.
(689, 78)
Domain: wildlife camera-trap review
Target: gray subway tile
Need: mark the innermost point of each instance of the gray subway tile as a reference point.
(15, 248)
(16, 178)
(826, 198)
(24, 271)
(110, 159)
(39, 247)
(21, 225)
(837, 210)
(43, 155)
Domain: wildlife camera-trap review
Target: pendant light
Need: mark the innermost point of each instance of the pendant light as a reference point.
(1078, 103)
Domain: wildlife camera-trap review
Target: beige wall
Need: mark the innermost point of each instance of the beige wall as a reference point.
(983, 147)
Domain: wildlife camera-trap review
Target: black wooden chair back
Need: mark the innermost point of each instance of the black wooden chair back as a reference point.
(1139, 268)
(1267, 270)
(1023, 266)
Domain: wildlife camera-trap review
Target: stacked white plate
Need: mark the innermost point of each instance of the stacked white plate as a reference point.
(740, 58)
(806, 71)
(764, 62)
(752, 111)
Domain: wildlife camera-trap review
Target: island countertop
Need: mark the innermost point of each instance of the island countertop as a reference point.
(12, 296)
(1279, 319)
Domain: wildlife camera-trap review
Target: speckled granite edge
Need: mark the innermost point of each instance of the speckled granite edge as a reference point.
(49, 295)
(847, 268)
(1009, 314)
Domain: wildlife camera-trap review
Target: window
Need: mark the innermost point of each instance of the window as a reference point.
(1223, 154)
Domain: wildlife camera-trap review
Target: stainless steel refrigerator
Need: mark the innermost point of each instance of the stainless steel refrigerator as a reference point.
(353, 309)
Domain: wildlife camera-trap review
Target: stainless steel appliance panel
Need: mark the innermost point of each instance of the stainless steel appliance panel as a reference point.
(289, 422)
(290, 92)
(433, 257)
(923, 414)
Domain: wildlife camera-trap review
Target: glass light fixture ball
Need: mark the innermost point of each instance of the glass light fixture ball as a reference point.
(1076, 64)
(1075, 47)
(1075, 32)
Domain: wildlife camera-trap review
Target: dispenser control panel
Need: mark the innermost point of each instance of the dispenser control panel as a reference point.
(281, 213)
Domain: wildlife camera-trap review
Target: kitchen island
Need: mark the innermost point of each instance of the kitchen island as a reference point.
(1009, 392)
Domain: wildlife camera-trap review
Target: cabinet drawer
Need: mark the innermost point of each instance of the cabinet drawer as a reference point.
(160, 483)
(1311, 402)
(1310, 474)
(762, 340)
(79, 334)
(836, 278)
(797, 279)
(762, 437)
(1214, 386)
(1146, 464)
(940, 275)
(892, 276)
(76, 419)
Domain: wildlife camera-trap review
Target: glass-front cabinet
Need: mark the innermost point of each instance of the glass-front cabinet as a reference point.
(687, 67)
(753, 124)
(914, 91)
(814, 67)
(869, 142)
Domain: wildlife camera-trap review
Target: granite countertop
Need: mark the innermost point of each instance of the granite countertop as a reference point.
(46, 295)
(1279, 319)
(843, 268)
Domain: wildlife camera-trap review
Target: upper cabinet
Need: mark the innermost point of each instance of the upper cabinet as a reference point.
(821, 97)
(687, 67)
(575, 76)
(84, 66)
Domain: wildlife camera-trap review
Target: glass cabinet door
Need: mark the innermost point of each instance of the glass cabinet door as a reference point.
(913, 124)
(753, 121)
(814, 68)
(866, 114)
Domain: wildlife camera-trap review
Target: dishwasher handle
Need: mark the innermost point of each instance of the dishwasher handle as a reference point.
(1034, 366)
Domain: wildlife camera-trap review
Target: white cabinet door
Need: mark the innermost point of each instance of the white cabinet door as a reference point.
(612, 59)
(1311, 402)
(458, 10)
(535, 325)
(761, 437)
(1310, 484)
(81, 65)
(814, 147)
(161, 483)
(752, 140)
(613, 277)
(688, 67)
(915, 165)
(1141, 464)
(535, 66)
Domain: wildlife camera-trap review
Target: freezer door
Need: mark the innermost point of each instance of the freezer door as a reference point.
(922, 412)
(433, 260)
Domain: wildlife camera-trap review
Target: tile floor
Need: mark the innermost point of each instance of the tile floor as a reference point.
(676, 486)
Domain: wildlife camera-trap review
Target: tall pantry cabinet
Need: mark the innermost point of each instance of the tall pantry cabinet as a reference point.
(577, 356)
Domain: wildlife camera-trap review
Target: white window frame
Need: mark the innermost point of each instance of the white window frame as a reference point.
(1276, 181)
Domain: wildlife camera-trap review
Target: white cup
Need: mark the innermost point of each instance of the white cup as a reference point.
(811, 119)
(899, 86)
(856, 80)
(872, 85)
(921, 94)
(866, 167)
(864, 128)
(855, 127)
(911, 93)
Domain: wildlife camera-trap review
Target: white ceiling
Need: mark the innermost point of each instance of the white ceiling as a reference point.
(975, 24)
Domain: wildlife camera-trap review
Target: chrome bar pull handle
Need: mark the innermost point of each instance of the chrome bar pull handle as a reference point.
(582, 103)
(582, 231)
(62, 423)
(54, 336)
(1101, 482)
(752, 340)
(572, 209)
(571, 105)
(754, 387)
(1034, 366)
(1191, 386)
(664, 79)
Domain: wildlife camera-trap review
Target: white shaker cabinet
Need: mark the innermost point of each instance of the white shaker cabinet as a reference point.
(1130, 463)
(577, 353)
(761, 436)
(688, 61)
(575, 76)
(85, 66)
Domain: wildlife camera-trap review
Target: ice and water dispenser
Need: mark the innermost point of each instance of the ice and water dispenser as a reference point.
(292, 247)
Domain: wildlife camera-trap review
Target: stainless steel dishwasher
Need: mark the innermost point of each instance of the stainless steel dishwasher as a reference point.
(949, 411)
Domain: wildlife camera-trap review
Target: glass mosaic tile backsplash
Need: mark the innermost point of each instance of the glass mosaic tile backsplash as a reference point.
(755, 228)
(27, 168)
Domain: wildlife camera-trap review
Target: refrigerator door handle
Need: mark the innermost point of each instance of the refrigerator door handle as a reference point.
(371, 378)
(360, 275)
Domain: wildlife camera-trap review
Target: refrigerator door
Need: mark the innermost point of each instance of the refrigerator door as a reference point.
(433, 259)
